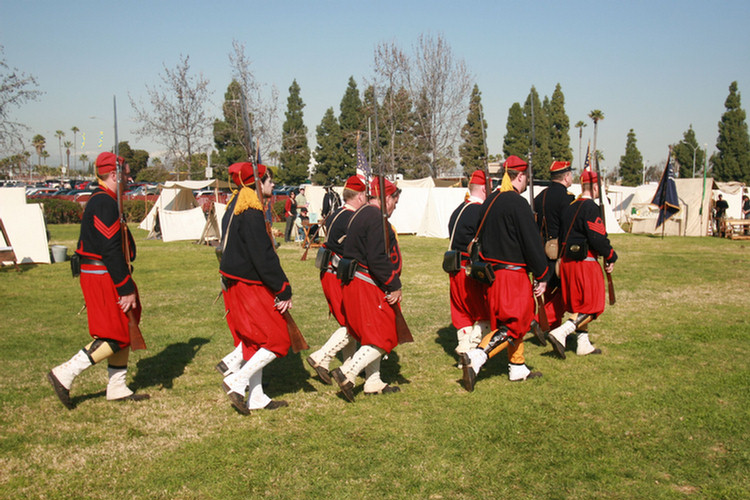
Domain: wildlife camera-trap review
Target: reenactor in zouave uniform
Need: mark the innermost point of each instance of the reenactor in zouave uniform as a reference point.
(469, 312)
(550, 204)
(369, 298)
(583, 238)
(256, 291)
(336, 225)
(510, 243)
(108, 289)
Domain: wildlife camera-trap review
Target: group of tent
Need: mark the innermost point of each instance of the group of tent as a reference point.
(423, 209)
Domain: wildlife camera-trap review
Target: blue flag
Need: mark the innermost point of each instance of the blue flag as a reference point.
(666, 194)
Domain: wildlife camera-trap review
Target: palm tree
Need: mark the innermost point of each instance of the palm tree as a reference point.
(580, 126)
(75, 131)
(39, 142)
(84, 159)
(596, 115)
(60, 134)
(67, 145)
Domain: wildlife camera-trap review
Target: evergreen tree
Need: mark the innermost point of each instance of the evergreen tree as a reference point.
(631, 163)
(542, 157)
(351, 122)
(472, 151)
(229, 133)
(516, 140)
(330, 167)
(295, 153)
(685, 151)
(559, 142)
(732, 161)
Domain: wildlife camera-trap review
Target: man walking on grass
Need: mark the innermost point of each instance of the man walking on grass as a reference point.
(584, 240)
(108, 289)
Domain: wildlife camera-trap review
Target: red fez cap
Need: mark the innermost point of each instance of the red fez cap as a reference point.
(355, 184)
(477, 177)
(390, 188)
(559, 167)
(106, 162)
(242, 173)
(588, 177)
(515, 163)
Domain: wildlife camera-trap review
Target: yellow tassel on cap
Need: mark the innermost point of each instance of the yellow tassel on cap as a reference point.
(506, 184)
(247, 199)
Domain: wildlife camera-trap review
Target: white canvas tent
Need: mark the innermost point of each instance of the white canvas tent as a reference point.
(691, 220)
(178, 213)
(212, 229)
(25, 225)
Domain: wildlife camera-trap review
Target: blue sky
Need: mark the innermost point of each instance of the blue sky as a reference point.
(656, 67)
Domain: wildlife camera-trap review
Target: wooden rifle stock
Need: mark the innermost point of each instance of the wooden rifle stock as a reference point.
(611, 288)
(543, 321)
(295, 335)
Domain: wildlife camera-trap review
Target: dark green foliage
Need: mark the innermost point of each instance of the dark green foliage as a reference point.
(136, 210)
(350, 121)
(687, 150)
(295, 153)
(329, 153)
(559, 127)
(631, 163)
(60, 211)
(732, 161)
(472, 151)
(229, 133)
(136, 158)
(539, 146)
(516, 140)
(154, 173)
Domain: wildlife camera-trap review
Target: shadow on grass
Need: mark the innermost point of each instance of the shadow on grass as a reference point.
(85, 397)
(163, 368)
(286, 375)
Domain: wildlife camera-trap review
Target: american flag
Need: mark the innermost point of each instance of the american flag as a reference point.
(587, 162)
(363, 167)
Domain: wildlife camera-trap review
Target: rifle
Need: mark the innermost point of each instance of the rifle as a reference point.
(402, 329)
(543, 321)
(487, 179)
(610, 283)
(136, 337)
(298, 341)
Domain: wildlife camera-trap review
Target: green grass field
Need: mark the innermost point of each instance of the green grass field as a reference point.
(664, 413)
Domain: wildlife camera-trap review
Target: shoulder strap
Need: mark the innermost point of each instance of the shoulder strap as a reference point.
(545, 227)
(575, 216)
(453, 232)
(328, 233)
(481, 224)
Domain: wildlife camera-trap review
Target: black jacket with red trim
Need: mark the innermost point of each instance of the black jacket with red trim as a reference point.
(249, 254)
(462, 229)
(336, 225)
(587, 225)
(510, 236)
(101, 238)
(365, 242)
(549, 206)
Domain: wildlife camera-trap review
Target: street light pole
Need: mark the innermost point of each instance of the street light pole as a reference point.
(695, 148)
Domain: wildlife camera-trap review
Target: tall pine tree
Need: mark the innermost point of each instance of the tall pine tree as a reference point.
(351, 122)
(516, 140)
(229, 132)
(732, 161)
(472, 151)
(542, 157)
(631, 163)
(686, 151)
(559, 143)
(330, 167)
(295, 153)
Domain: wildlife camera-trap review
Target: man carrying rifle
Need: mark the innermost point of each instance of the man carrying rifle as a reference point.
(550, 205)
(355, 196)
(583, 237)
(510, 244)
(373, 292)
(256, 291)
(469, 312)
(108, 289)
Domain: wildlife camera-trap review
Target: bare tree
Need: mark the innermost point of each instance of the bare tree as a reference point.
(441, 84)
(178, 119)
(15, 90)
(262, 108)
(391, 75)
